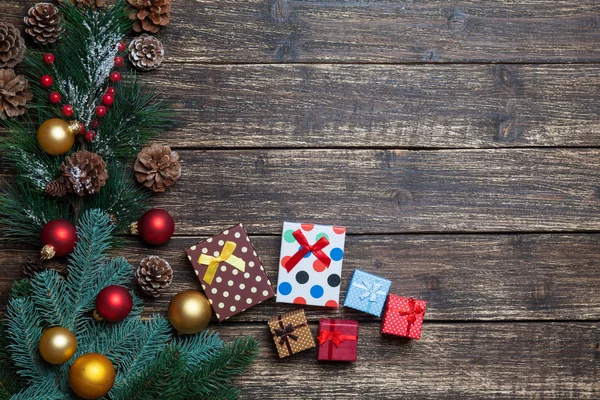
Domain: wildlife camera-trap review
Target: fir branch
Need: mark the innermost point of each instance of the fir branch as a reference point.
(199, 348)
(45, 389)
(10, 382)
(51, 297)
(20, 288)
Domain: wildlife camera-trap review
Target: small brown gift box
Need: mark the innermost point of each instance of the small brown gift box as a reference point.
(291, 333)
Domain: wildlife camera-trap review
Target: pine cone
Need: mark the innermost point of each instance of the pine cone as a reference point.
(14, 93)
(146, 52)
(85, 173)
(12, 45)
(157, 167)
(86, 4)
(43, 23)
(149, 15)
(57, 188)
(32, 267)
(154, 275)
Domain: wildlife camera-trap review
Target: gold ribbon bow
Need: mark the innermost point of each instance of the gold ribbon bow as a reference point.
(225, 256)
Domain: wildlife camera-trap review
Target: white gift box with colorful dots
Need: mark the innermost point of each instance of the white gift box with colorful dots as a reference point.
(310, 281)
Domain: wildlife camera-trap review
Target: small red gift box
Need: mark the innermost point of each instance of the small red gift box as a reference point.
(337, 340)
(403, 316)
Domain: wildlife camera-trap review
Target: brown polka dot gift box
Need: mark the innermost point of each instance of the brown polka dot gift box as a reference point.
(403, 316)
(291, 333)
(230, 271)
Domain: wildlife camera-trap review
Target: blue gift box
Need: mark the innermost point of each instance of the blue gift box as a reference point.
(367, 292)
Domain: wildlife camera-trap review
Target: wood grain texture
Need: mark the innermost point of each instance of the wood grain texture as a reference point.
(456, 106)
(451, 361)
(463, 277)
(388, 191)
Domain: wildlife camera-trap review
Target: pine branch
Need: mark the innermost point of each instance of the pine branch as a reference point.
(45, 389)
(10, 382)
(199, 348)
(51, 297)
(20, 288)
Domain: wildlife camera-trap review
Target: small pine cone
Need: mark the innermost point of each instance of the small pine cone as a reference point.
(57, 188)
(146, 52)
(84, 173)
(43, 23)
(154, 275)
(157, 167)
(14, 93)
(86, 4)
(32, 267)
(149, 15)
(12, 45)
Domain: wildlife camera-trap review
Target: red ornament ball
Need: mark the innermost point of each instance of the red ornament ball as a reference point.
(59, 236)
(121, 46)
(111, 90)
(46, 81)
(95, 124)
(67, 110)
(114, 303)
(90, 136)
(81, 129)
(108, 99)
(156, 226)
(119, 61)
(115, 76)
(49, 59)
(101, 111)
(54, 97)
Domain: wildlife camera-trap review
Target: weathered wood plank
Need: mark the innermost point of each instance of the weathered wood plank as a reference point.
(457, 106)
(451, 361)
(375, 191)
(389, 31)
(463, 277)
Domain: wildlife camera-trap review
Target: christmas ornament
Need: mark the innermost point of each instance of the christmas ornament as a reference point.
(57, 345)
(56, 136)
(91, 376)
(119, 61)
(115, 76)
(83, 173)
(114, 303)
(101, 111)
(49, 59)
(146, 52)
(90, 136)
(189, 312)
(54, 97)
(157, 167)
(154, 275)
(108, 100)
(95, 124)
(34, 266)
(81, 129)
(58, 238)
(149, 16)
(12, 46)
(46, 81)
(111, 90)
(155, 227)
(43, 23)
(67, 110)
(14, 94)
(121, 46)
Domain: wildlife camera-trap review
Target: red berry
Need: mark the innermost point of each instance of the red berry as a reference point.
(115, 76)
(54, 97)
(108, 99)
(119, 61)
(111, 90)
(67, 110)
(95, 124)
(49, 58)
(101, 111)
(121, 46)
(81, 129)
(46, 81)
(90, 136)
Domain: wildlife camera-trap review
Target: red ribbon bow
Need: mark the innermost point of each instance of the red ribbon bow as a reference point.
(336, 337)
(411, 314)
(316, 249)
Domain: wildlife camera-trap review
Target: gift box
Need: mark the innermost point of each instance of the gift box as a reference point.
(310, 264)
(367, 292)
(338, 339)
(230, 271)
(291, 333)
(403, 317)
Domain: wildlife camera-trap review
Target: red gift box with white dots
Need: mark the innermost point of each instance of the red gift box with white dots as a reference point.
(403, 316)
(232, 290)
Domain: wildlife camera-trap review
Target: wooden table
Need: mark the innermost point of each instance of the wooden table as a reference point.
(457, 141)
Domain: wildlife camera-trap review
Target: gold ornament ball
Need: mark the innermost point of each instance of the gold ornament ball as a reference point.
(56, 136)
(57, 345)
(91, 376)
(189, 312)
